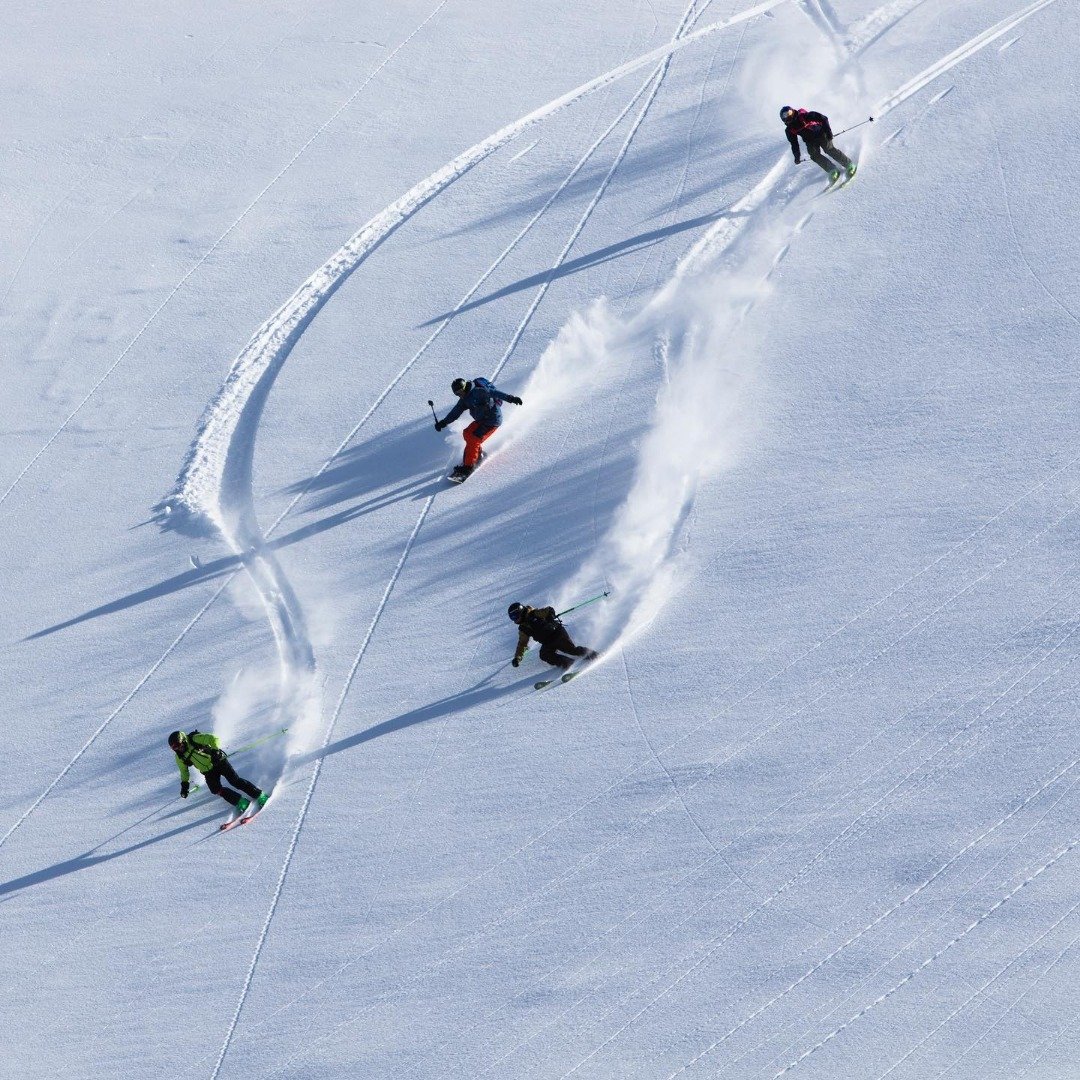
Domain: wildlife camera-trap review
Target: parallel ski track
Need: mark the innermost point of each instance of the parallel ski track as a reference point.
(213, 247)
(628, 836)
(986, 41)
(213, 501)
(869, 1007)
(655, 82)
(722, 235)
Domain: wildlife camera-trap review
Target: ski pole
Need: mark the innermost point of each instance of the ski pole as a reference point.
(432, 406)
(257, 742)
(870, 120)
(583, 604)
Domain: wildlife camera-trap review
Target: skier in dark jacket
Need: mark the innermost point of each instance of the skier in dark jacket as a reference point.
(483, 401)
(817, 134)
(542, 625)
(203, 751)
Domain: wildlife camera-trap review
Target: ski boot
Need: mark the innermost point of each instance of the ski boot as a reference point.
(851, 170)
(261, 800)
(242, 804)
(834, 175)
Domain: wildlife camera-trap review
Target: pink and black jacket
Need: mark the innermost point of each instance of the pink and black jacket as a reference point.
(812, 126)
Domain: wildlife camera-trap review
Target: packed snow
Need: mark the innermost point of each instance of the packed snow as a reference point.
(813, 811)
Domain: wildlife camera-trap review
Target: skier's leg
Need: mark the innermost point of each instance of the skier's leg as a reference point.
(214, 785)
(836, 154)
(475, 435)
(549, 653)
(230, 774)
(566, 645)
(814, 150)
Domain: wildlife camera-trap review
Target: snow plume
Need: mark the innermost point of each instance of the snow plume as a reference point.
(703, 416)
(574, 363)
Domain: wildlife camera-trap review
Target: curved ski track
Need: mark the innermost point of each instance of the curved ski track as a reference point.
(210, 251)
(262, 384)
(701, 253)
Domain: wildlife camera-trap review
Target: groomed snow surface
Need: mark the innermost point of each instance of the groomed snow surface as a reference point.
(814, 814)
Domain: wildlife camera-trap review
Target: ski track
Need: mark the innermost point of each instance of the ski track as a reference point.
(979, 992)
(210, 251)
(1052, 861)
(261, 386)
(648, 817)
(281, 615)
(697, 255)
(939, 923)
(585, 861)
(302, 815)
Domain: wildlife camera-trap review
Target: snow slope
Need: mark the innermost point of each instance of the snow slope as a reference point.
(813, 813)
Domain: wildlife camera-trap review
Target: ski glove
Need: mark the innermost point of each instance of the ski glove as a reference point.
(439, 425)
(516, 661)
(183, 789)
(514, 400)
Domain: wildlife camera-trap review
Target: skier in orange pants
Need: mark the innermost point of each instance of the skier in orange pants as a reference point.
(483, 400)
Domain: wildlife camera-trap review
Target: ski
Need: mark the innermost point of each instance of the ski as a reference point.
(249, 813)
(543, 684)
(233, 822)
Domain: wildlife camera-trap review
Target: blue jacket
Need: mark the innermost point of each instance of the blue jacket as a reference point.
(484, 403)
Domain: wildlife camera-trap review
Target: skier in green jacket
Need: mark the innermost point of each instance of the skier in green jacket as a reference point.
(203, 750)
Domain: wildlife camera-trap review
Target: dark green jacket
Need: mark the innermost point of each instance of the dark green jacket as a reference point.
(203, 750)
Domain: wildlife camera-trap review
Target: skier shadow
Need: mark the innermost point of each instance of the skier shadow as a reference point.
(594, 258)
(89, 859)
(479, 694)
(404, 457)
(359, 471)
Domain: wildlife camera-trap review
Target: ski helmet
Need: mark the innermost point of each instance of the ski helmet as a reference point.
(514, 611)
(786, 112)
(460, 387)
(177, 740)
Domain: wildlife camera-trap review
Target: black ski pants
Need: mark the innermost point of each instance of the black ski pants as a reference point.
(816, 148)
(561, 643)
(222, 768)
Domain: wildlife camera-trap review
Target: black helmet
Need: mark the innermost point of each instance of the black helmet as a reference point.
(460, 387)
(786, 112)
(514, 611)
(177, 740)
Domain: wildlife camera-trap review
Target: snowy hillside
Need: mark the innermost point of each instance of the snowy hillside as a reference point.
(813, 812)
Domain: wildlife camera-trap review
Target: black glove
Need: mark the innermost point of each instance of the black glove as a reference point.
(798, 161)
(514, 400)
(516, 661)
(183, 789)
(439, 425)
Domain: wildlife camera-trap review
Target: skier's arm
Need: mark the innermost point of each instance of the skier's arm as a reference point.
(452, 415)
(185, 773)
(522, 645)
(794, 140)
(509, 398)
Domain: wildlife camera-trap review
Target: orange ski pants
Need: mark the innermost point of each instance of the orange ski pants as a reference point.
(474, 436)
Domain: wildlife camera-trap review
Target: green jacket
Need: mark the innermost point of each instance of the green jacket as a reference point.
(203, 750)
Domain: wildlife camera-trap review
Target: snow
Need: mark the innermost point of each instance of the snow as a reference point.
(813, 813)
